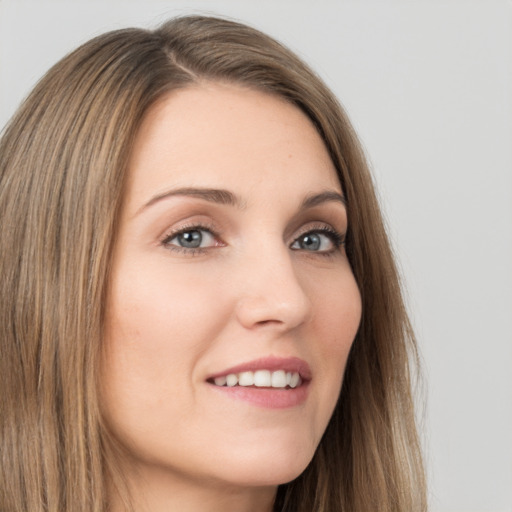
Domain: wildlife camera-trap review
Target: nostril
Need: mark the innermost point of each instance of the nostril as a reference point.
(267, 313)
(268, 322)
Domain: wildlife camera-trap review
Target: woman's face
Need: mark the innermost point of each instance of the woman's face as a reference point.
(232, 305)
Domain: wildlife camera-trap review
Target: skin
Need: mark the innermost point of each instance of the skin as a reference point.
(254, 289)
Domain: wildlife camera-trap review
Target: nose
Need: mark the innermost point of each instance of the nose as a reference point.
(271, 293)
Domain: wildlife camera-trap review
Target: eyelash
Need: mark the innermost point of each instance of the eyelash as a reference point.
(337, 239)
(184, 229)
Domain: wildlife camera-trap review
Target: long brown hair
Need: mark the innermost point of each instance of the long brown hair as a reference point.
(63, 160)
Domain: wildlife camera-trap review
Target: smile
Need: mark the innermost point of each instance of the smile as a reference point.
(269, 382)
(260, 379)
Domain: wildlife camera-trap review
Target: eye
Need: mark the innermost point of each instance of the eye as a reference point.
(323, 240)
(191, 239)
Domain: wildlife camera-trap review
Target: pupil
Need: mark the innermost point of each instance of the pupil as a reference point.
(311, 242)
(190, 239)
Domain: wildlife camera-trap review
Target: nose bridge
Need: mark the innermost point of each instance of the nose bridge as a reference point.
(270, 288)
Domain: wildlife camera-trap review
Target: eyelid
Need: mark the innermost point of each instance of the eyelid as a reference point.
(318, 226)
(327, 215)
(190, 226)
(337, 237)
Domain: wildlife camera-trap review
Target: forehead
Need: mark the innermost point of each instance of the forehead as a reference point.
(227, 136)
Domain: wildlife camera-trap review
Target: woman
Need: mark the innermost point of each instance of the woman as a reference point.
(200, 308)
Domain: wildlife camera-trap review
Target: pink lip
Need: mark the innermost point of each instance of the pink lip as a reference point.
(288, 364)
(268, 398)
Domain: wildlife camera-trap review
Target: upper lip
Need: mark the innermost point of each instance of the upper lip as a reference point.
(272, 363)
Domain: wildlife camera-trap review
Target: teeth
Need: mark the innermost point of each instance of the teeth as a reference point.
(295, 380)
(279, 379)
(231, 380)
(246, 379)
(220, 381)
(260, 379)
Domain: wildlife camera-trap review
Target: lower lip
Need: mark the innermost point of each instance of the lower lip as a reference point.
(267, 398)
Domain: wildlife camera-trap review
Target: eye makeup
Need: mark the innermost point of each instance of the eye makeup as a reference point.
(311, 239)
(190, 239)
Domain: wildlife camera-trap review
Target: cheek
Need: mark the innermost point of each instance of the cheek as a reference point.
(344, 313)
(337, 312)
(156, 330)
(160, 310)
(337, 315)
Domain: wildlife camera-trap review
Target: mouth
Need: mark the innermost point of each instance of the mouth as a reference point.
(269, 382)
(279, 379)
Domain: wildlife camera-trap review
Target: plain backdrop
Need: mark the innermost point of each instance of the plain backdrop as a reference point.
(428, 86)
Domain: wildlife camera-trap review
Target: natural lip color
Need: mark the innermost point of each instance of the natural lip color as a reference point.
(266, 398)
(272, 363)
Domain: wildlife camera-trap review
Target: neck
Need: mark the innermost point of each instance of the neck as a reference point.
(158, 492)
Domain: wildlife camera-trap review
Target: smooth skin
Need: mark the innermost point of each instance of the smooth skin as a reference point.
(203, 281)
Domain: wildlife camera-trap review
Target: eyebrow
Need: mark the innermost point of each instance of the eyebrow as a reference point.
(213, 195)
(323, 197)
(225, 197)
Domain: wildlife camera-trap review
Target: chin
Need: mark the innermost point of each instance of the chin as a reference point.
(272, 475)
(268, 468)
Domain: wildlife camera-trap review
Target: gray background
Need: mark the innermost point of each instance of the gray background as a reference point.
(428, 85)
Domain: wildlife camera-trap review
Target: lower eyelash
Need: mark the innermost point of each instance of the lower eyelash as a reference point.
(337, 238)
(187, 251)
